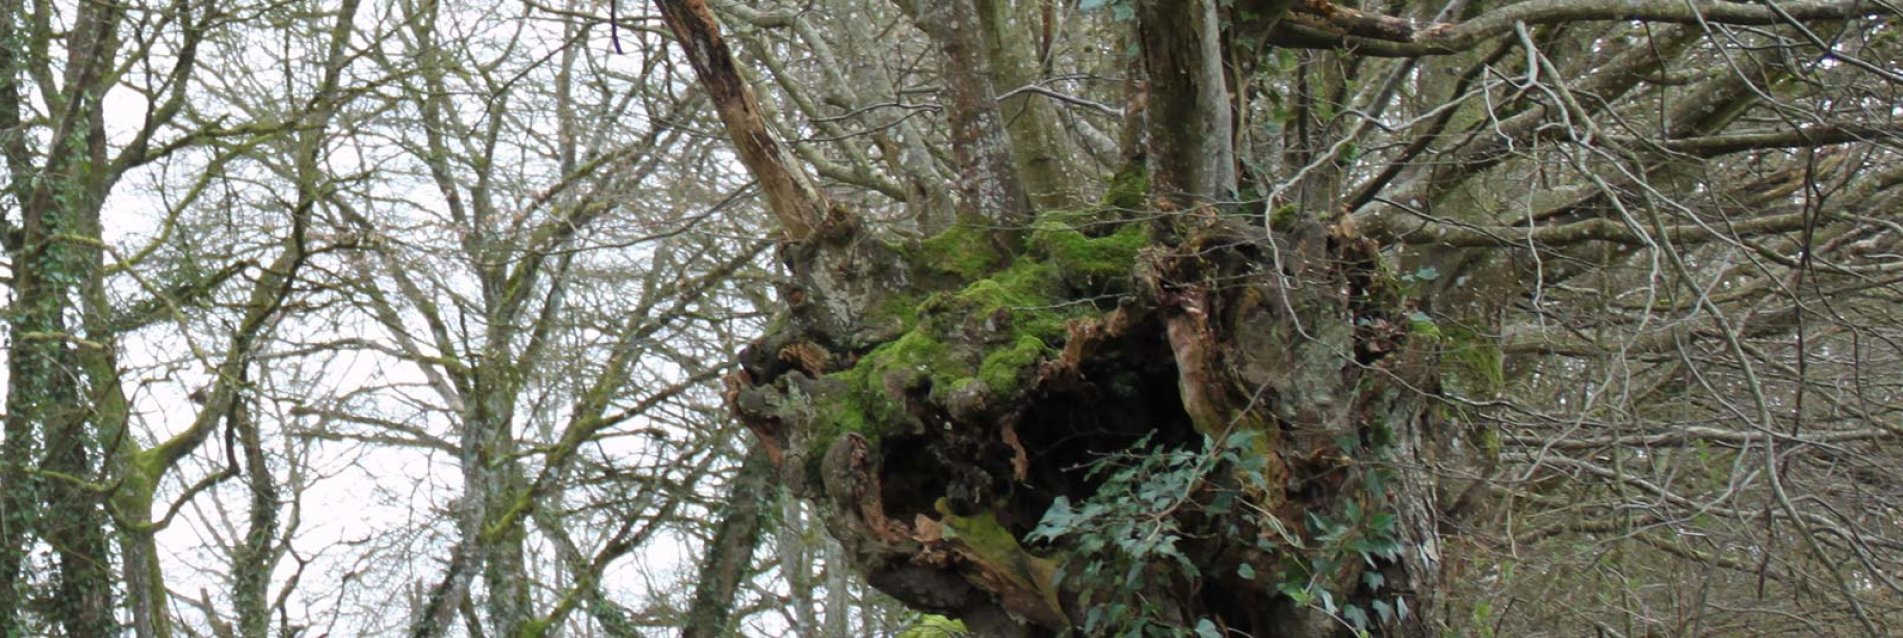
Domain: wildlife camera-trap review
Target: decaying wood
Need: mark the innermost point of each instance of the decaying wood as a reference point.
(791, 195)
(1272, 349)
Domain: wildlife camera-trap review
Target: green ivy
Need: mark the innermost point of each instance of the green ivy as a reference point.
(1124, 543)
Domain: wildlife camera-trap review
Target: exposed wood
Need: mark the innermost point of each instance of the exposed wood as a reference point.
(791, 195)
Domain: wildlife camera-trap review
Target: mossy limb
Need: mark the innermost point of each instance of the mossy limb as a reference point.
(992, 324)
(1023, 581)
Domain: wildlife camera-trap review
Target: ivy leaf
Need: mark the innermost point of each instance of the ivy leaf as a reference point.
(1384, 610)
(1058, 521)
(1295, 592)
(1222, 503)
(1355, 615)
(1206, 629)
(1374, 580)
(1245, 571)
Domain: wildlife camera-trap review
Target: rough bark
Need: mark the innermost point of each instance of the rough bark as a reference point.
(992, 187)
(728, 556)
(1190, 145)
(934, 399)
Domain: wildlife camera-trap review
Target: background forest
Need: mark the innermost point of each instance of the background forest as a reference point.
(1470, 318)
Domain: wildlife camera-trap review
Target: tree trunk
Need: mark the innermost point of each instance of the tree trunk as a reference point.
(256, 557)
(52, 267)
(992, 189)
(724, 565)
(1190, 137)
(1262, 401)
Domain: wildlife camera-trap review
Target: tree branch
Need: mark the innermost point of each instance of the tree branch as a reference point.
(1323, 24)
(791, 195)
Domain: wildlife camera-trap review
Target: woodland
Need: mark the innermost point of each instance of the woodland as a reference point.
(922, 318)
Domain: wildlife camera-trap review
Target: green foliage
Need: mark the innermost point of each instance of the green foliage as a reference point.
(1126, 538)
(1126, 541)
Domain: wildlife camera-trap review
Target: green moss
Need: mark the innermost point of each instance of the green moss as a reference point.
(992, 322)
(999, 553)
(878, 384)
(1283, 217)
(1129, 189)
(1489, 440)
(534, 629)
(904, 308)
(982, 533)
(1472, 363)
(1421, 326)
(965, 250)
(1089, 264)
(933, 626)
(1003, 370)
(1023, 299)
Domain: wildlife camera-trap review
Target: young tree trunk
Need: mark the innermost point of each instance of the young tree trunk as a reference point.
(992, 188)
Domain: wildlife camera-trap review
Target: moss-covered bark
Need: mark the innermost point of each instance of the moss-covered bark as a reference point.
(937, 425)
(943, 402)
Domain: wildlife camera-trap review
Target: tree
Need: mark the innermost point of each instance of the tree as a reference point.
(556, 288)
(1317, 353)
(238, 333)
(80, 476)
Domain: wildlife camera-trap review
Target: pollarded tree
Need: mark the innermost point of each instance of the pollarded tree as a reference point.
(1318, 352)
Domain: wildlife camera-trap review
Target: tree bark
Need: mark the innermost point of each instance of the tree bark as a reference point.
(1031, 121)
(992, 188)
(729, 555)
(935, 424)
(1190, 144)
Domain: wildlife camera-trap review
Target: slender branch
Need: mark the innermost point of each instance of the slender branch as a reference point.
(1323, 24)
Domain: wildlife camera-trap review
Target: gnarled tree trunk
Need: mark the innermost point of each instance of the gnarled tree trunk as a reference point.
(937, 399)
